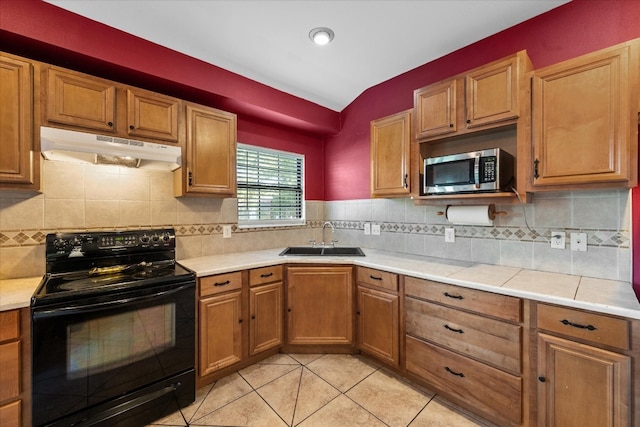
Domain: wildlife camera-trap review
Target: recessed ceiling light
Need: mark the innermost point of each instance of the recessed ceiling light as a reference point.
(321, 35)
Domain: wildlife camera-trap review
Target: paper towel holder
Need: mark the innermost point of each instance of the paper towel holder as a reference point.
(492, 212)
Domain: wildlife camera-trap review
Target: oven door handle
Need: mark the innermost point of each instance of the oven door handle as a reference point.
(95, 307)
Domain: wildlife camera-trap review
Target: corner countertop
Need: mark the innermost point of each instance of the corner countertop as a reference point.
(599, 295)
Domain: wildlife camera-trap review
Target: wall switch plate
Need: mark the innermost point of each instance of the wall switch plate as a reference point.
(367, 228)
(558, 239)
(226, 231)
(579, 242)
(375, 229)
(449, 235)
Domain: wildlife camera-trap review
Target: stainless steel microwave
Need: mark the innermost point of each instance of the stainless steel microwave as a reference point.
(488, 170)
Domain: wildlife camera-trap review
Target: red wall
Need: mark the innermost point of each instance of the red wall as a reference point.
(576, 28)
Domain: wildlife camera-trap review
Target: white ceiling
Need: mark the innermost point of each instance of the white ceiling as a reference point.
(268, 41)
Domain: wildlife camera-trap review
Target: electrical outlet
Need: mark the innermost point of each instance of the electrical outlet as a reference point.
(226, 231)
(375, 229)
(449, 235)
(367, 228)
(558, 239)
(579, 242)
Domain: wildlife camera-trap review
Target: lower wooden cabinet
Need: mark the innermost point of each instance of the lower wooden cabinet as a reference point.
(15, 373)
(377, 315)
(587, 383)
(320, 305)
(265, 308)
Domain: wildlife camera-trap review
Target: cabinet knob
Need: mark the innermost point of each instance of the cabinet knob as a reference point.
(253, 317)
(358, 313)
(468, 120)
(110, 124)
(239, 320)
(450, 125)
(289, 310)
(542, 379)
(132, 127)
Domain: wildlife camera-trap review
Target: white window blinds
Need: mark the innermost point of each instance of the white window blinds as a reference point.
(270, 187)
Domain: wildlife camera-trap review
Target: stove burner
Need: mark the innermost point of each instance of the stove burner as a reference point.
(152, 272)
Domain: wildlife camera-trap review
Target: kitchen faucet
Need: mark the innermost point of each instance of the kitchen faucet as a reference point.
(333, 230)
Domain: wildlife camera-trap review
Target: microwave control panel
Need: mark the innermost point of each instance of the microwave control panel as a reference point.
(488, 169)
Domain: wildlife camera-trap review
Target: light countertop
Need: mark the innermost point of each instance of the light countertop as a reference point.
(600, 295)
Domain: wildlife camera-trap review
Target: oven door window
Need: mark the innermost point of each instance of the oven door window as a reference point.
(459, 172)
(98, 350)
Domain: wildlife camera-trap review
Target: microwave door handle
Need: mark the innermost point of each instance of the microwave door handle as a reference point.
(476, 171)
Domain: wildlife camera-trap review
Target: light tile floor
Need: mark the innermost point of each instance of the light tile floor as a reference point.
(316, 390)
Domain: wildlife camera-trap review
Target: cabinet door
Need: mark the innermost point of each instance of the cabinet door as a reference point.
(82, 101)
(10, 370)
(16, 125)
(152, 115)
(265, 306)
(435, 109)
(378, 324)
(320, 305)
(211, 152)
(220, 332)
(582, 120)
(491, 93)
(581, 385)
(390, 147)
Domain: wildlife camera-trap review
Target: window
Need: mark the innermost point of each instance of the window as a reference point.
(270, 187)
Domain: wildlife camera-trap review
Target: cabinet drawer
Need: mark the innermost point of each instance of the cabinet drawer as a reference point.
(380, 279)
(501, 306)
(491, 341)
(9, 325)
(596, 328)
(488, 389)
(259, 276)
(9, 370)
(211, 285)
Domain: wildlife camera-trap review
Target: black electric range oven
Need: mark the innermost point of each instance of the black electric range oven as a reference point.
(112, 330)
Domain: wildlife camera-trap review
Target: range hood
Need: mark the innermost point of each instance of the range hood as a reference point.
(72, 146)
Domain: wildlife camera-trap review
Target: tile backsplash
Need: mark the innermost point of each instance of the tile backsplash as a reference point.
(86, 197)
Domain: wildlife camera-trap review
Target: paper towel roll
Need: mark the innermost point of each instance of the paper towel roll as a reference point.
(471, 215)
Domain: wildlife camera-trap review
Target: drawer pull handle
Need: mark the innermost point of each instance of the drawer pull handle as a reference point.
(264, 276)
(448, 295)
(221, 284)
(375, 278)
(577, 325)
(459, 374)
(460, 331)
(542, 379)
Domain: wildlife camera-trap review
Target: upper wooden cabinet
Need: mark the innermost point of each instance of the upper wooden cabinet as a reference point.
(19, 162)
(390, 148)
(90, 104)
(585, 121)
(487, 96)
(210, 168)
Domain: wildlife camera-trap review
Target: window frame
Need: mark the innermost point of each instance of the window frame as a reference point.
(264, 223)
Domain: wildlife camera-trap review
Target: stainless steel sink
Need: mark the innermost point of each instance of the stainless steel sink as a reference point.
(322, 251)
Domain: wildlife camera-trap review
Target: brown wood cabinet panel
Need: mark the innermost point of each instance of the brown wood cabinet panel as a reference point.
(9, 325)
(18, 161)
(220, 332)
(436, 109)
(390, 151)
(585, 128)
(265, 308)
(259, 276)
(377, 278)
(320, 305)
(210, 168)
(80, 100)
(596, 328)
(488, 340)
(492, 93)
(152, 115)
(10, 414)
(580, 385)
(494, 393)
(10, 370)
(378, 319)
(219, 283)
(490, 304)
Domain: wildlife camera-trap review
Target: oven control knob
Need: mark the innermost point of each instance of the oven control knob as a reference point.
(145, 238)
(155, 238)
(166, 238)
(60, 244)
